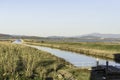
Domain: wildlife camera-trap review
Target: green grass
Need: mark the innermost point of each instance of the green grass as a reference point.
(97, 49)
(18, 62)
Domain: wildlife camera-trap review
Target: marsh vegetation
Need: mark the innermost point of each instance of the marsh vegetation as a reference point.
(18, 62)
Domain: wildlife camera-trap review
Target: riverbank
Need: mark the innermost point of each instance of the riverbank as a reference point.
(102, 50)
(20, 62)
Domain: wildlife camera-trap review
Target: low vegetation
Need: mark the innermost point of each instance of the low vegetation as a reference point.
(18, 62)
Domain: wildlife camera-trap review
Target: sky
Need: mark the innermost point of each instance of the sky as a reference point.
(59, 17)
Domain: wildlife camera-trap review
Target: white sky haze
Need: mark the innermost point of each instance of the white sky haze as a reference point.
(59, 17)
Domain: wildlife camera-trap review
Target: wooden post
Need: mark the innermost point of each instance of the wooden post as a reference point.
(106, 72)
(107, 64)
(97, 62)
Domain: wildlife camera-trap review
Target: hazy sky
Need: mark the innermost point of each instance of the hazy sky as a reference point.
(59, 17)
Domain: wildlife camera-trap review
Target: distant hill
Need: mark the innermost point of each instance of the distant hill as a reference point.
(94, 37)
(98, 35)
(2, 35)
(8, 36)
(90, 37)
(56, 37)
(86, 36)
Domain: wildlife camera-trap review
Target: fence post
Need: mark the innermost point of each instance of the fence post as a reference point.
(106, 72)
(97, 63)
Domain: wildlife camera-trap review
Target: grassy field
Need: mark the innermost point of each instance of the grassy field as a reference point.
(97, 49)
(18, 62)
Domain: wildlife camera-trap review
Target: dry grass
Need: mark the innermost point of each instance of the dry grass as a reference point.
(19, 62)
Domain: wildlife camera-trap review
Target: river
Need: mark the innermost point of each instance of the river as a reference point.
(78, 60)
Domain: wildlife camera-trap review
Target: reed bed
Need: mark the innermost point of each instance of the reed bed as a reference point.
(18, 62)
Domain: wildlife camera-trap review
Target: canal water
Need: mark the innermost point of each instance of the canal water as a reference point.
(78, 60)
